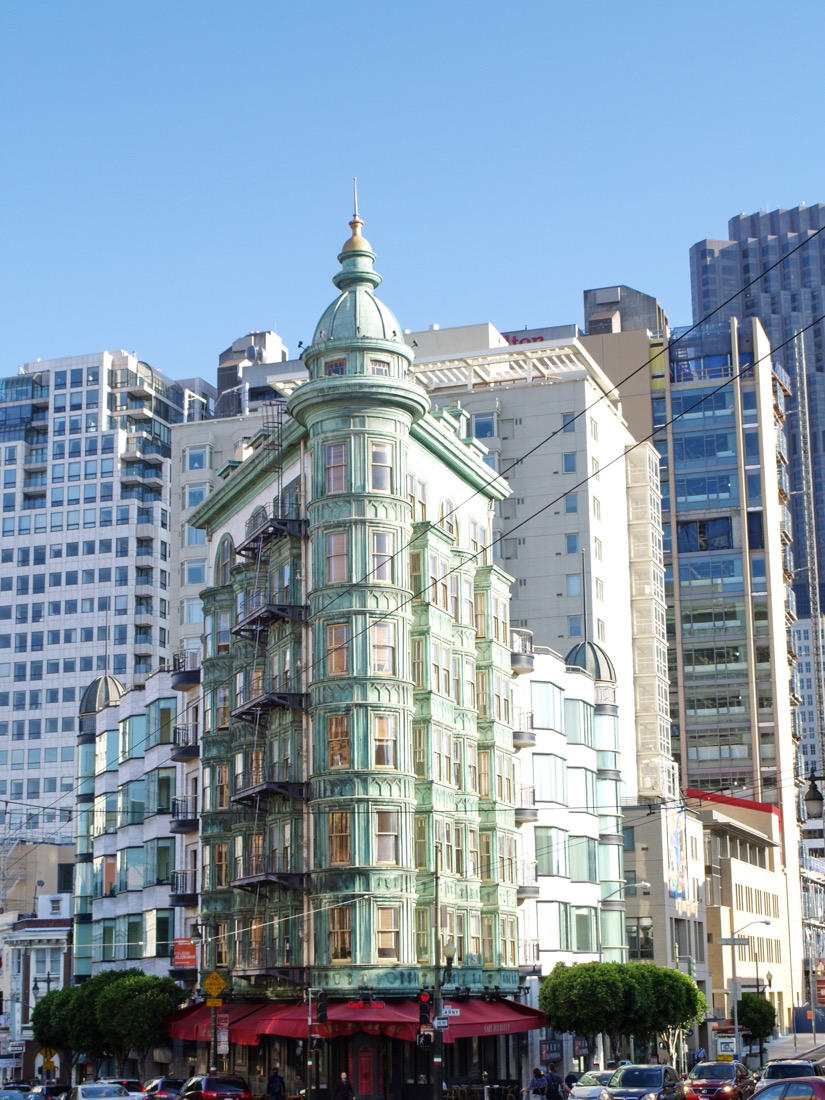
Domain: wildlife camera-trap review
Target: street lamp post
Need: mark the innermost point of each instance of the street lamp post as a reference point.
(733, 942)
(813, 808)
(449, 951)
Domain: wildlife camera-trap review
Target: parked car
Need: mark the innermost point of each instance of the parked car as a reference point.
(794, 1088)
(98, 1090)
(783, 1068)
(653, 1082)
(721, 1080)
(216, 1086)
(131, 1084)
(163, 1088)
(588, 1087)
(50, 1089)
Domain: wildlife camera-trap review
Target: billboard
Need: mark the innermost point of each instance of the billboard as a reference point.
(677, 874)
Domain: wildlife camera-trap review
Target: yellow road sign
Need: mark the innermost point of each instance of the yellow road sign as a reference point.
(213, 984)
(213, 1002)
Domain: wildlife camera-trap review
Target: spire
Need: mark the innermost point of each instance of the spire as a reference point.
(356, 257)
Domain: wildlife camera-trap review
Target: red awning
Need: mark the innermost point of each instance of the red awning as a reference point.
(197, 1023)
(397, 1019)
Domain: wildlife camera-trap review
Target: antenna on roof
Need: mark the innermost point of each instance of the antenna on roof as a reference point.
(355, 194)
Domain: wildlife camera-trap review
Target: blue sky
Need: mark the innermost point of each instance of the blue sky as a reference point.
(178, 173)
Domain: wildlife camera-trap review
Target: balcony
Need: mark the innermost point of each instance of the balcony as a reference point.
(271, 962)
(36, 456)
(264, 694)
(264, 608)
(266, 525)
(527, 883)
(273, 869)
(526, 810)
(524, 736)
(267, 781)
(185, 744)
(186, 669)
(184, 815)
(521, 652)
(184, 891)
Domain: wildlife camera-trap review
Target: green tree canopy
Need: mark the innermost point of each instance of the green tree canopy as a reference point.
(757, 1014)
(132, 1013)
(51, 1024)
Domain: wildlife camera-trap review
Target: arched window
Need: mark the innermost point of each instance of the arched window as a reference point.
(224, 560)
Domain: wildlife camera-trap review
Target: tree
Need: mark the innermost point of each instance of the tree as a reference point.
(590, 998)
(84, 1028)
(132, 1012)
(758, 1015)
(51, 1024)
(667, 1003)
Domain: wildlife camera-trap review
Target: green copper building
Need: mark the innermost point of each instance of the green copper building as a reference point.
(358, 804)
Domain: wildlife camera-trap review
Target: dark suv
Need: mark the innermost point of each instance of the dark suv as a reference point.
(635, 1082)
(216, 1086)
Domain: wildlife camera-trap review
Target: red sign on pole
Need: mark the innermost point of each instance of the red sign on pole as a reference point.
(184, 954)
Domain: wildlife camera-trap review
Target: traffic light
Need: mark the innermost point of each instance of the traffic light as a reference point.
(323, 1008)
(424, 1038)
(425, 1005)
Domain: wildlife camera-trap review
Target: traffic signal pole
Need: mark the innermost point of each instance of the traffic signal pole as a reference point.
(438, 1038)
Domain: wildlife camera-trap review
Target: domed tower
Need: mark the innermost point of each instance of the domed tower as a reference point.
(590, 657)
(358, 408)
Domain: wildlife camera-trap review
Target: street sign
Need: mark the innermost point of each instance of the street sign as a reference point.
(448, 1010)
(440, 1023)
(223, 1019)
(214, 1002)
(214, 984)
(734, 941)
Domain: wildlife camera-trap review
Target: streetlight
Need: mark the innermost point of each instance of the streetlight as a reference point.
(449, 952)
(733, 942)
(633, 886)
(48, 980)
(813, 808)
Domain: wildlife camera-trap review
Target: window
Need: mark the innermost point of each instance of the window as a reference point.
(382, 556)
(597, 549)
(224, 561)
(340, 933)
(339, 837)
(338, 741)
(380, 367)
(484, 425)
(571, 503)
(337, 649)
(337, 553)
(384, 731)
(381, 467)
(551, 851)
(571, 543)
(388, 931)
(568, 422)
(335, 367)
(194, 494)
(221, 865)
(196, 458)
(336, 468)
(573, 584)
(597, 508)
(386, 836)
(568, 462)
(383, 648)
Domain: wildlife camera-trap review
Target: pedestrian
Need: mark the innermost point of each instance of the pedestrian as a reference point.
(553, 1084)
(569, 1081)
(276, 1086)
(537, 1085)
(343, 1088)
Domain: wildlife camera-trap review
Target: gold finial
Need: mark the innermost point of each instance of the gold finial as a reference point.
(356, 241)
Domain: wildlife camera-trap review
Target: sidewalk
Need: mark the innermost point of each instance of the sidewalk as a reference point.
(800, 1047)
